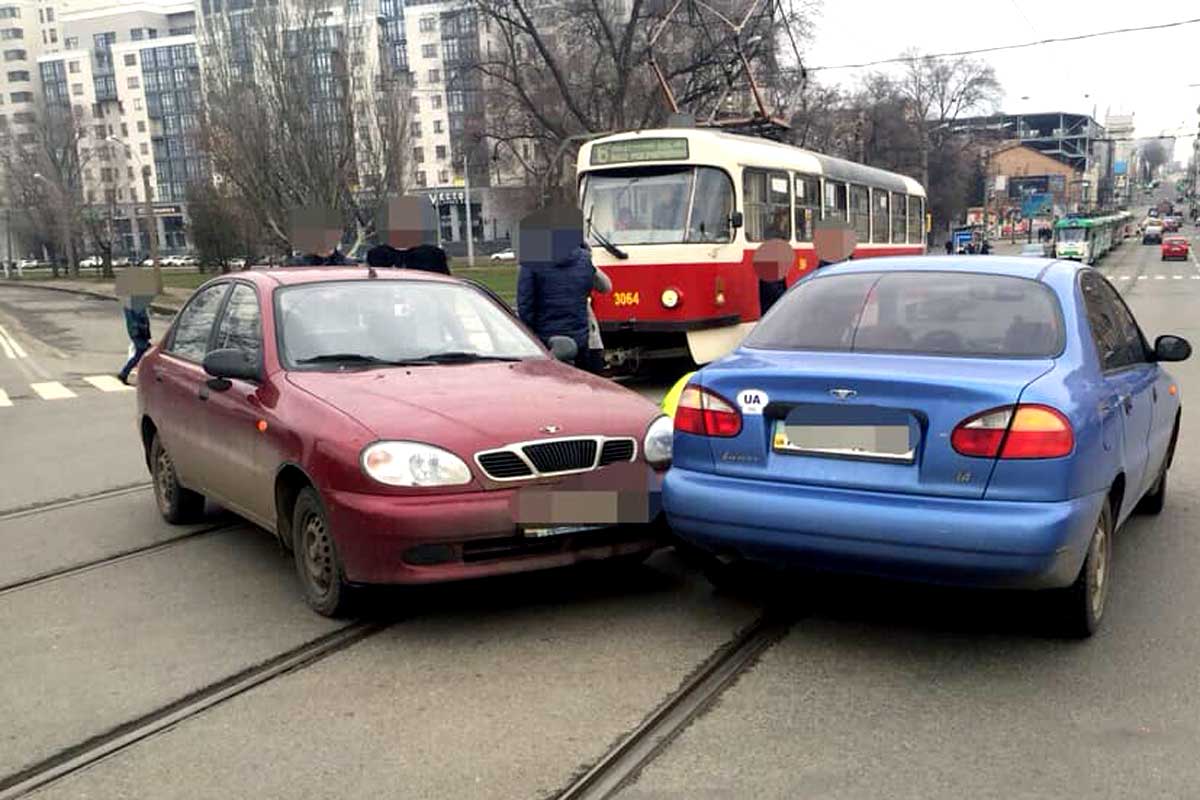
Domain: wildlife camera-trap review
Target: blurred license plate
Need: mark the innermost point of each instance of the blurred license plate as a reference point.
(888, 442)
(557, 530)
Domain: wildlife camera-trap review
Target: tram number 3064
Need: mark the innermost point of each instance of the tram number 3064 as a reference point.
(626, 298)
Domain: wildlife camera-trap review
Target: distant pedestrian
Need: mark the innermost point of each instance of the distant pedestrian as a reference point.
(556, 276)
(985, 248)
(137, 325)
(949, 247)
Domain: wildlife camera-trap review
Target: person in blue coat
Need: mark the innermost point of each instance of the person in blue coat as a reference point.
(556, 275)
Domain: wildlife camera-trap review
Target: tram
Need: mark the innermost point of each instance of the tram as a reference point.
(1088, 239)
(676, 215)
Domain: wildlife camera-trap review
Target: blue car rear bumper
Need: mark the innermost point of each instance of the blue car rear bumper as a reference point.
(982, 543)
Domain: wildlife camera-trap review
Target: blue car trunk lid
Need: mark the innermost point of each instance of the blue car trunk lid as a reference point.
(861, 421)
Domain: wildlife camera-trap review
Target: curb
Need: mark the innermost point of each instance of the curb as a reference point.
(158, 308)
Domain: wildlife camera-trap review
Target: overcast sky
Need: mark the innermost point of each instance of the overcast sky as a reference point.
(1146, 73)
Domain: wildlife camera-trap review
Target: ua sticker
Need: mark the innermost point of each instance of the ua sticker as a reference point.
(752, 401)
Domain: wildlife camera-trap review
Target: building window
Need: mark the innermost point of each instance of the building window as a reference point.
(73, 67)
(12, 12)
(18, 75)
(97, 111)
(415, 127)
(12, 33)
(441, 152)
(444, 177)
(136, 34)
(76, 88)
(137, 104)
(101, 131)
(416, 103)
(133, 83)
(71, 43)
(420, 179)
(437, 101)
(130, 59)
(14, 55)
(437, 126)
(124, 130)
(429, 51)
(435, 76)
(144, 148)
(49, 15)
(22, 97)
(418, 155)
(428, 24)
(141, 126)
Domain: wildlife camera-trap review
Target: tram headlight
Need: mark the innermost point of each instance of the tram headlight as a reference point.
(671, 298)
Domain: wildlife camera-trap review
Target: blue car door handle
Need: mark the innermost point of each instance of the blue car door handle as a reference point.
(1120, 400)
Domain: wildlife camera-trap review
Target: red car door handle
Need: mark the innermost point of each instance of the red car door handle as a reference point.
(203, 395)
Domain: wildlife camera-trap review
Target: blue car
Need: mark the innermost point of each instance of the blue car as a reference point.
(988, 422)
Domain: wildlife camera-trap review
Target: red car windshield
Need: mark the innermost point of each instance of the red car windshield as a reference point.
(327, 325)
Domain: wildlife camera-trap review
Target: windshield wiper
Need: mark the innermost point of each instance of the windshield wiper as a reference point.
(615, 251)
(464, 357)
(360, 359)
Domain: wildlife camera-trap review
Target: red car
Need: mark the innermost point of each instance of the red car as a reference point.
(1174, 247)
(399, 427)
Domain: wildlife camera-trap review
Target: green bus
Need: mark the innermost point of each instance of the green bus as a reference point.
(1087, 239)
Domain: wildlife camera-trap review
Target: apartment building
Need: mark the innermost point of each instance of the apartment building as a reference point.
(129, 72)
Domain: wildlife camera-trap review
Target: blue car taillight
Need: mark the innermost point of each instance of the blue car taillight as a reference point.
(1011, 432)
(706, 413)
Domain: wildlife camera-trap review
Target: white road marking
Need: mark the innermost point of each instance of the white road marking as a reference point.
(1160, 277)
(11, 343)
(1121, 277)
(52, 390)
(1142, 277)
(4, 401)
(1177, 277)
(107, 383)
(8, 351)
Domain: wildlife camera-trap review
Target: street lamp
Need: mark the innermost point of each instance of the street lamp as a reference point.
(151, 222)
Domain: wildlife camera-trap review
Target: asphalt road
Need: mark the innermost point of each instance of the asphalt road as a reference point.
(509, 688)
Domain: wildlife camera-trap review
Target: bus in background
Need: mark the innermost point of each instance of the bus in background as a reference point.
(1088, 239)
(676, 215)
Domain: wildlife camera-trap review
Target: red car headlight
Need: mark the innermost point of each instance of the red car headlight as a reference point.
(413, 464)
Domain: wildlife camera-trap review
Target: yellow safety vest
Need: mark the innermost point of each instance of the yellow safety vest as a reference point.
(671, 401)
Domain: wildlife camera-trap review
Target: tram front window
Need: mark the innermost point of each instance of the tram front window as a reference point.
(657, 205)
(1072, 234)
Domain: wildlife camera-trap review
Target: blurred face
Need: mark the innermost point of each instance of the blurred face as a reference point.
(833, 244)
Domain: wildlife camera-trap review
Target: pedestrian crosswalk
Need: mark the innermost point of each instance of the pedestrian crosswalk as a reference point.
(1191, 276)
(55, 391)
(10, 347)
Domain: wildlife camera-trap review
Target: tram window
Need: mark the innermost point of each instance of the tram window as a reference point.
(711, 207)
(768, 205)
(808, 206)
(860, 212)
(879, 216)
(898, 222)
(916, 220)
(835, 201)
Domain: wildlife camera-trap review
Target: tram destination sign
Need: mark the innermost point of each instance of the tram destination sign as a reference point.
(639, 150)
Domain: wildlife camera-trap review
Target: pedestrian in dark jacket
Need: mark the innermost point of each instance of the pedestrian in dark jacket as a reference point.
(556, 276)
(137, 325)
(316, 232)
(407, 225)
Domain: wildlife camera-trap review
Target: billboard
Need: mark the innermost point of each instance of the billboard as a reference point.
(1120, 168)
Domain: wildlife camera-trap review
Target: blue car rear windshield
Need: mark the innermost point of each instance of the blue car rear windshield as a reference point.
(916, 313)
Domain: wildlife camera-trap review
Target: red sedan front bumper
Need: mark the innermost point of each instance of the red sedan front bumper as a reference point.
(388, 539)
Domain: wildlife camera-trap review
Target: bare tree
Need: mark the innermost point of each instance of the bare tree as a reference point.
(296, 112)
(43, 165)
(100, 229)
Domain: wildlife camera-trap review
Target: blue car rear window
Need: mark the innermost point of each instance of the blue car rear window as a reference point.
(918, 313)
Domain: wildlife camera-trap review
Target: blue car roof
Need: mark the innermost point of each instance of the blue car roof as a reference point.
(1034, 268)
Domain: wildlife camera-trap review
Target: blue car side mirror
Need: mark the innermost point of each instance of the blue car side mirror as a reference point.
(1172, 348)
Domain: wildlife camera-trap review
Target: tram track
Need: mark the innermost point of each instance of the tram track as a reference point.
(622, 764)
(97, 748)
(116, 558)
(66, 502)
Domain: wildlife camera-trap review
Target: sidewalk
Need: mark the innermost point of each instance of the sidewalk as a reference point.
(167, 304)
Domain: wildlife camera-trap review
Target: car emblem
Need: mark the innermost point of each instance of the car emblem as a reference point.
(843, 394)
(550, 429)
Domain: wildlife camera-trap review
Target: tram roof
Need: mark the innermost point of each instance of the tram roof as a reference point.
(756, 151)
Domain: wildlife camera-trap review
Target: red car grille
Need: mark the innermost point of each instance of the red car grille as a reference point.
(554, 456)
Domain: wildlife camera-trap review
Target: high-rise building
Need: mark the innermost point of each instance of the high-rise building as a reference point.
(129, 73)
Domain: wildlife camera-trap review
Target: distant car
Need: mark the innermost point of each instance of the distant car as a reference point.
(991, 423)
(1174, 247)
(1033, 250)
(355, 415)
(503, 255)
(92, 261)
(122, 261)
(1152, 234)
(237, 263)
(1171, 224)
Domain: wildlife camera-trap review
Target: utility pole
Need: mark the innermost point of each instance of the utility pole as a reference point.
(467, 198)
(151, 224)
